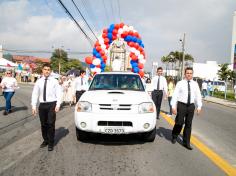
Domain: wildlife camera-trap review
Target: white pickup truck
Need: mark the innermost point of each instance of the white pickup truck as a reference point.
(116, 103)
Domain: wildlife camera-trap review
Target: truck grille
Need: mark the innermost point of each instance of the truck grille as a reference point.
(114, 123)
(124, 107)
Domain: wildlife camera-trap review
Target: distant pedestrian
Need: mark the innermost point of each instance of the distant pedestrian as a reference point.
(159, 85)
(204, 89)
(186, 93)
(171, 86)
(9, 85)
(81, 84)
(49, 93)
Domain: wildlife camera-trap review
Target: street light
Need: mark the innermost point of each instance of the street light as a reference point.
(183, 59)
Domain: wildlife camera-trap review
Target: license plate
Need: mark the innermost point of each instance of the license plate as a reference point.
(114, 130)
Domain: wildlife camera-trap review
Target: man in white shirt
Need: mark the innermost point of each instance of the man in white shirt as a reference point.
(159, 85)
(186, 96)
(81, 85)
(204, 89)
(48, 91)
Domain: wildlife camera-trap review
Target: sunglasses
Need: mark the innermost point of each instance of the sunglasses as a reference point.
(8, 73)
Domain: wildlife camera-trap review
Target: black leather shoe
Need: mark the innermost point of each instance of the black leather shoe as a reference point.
(10, 111)
(44, 144)
(188, 147)
(50, 148)
(173, 140)
(5, 113)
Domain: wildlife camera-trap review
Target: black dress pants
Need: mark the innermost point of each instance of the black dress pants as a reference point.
(47, 117)
(184, 115)
(157, 99)
(78, 94)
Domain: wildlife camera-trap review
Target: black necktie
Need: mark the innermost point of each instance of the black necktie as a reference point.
(44, 89)
(189, 93)
(158, 83)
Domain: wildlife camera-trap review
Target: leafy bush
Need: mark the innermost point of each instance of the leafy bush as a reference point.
(229, 95)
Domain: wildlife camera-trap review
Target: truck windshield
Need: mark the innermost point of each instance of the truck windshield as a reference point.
(117, 82)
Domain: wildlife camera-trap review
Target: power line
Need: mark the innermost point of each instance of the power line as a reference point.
(84, 19)
(118, 2)
(69, 14)
(90, 13)
(42, 51)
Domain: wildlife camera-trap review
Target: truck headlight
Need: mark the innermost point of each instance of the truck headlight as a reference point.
(146, 108)
(84, 106)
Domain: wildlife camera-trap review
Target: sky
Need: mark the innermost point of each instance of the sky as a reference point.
(43, 25)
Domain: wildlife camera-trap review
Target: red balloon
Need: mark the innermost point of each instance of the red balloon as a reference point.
(131, 44)
(104, 57)
(124, 34)
(140, 65)
(98, 48)
(106, 40)
(114, 32)
(102, 52)
(97, 44)
(131, 33)
(105, 31)
(122, 25)
(117, 26)
(89, 60)
(135, 34)
(98, 66)
(107, 46)
(141, 73)
(104, 35)
(140, 49)
(136, 45)
(134, 57)
(114, 37)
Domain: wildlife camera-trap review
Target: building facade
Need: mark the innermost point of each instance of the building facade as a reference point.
(233, 47)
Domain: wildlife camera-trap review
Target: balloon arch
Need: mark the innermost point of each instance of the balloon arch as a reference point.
(122, 32)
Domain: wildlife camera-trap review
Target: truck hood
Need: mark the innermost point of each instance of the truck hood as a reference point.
(115, 97)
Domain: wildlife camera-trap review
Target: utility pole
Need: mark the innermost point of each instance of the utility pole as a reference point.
(183, 59)
(59, 62)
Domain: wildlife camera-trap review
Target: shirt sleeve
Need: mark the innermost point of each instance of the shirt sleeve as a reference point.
(198, 98)
(35, 95)
(175, 96)
(165, 86)
(59, 93)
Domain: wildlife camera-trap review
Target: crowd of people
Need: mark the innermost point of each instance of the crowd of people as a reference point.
(183, 97)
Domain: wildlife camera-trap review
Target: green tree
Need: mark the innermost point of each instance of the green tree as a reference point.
(224, 72)
(73, 64)
(59, 58)
(8, 56)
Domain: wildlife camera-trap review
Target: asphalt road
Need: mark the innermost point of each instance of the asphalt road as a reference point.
(20, 138)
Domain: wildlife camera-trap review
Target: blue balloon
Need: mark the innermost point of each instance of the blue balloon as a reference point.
(133, 61)
(134, 39)
(142, 45)
(92, 66)
(109, 35)
(136, 70)
(98, 55)
(103, 65)
(135, 64)
(129, 38)
(94, 52)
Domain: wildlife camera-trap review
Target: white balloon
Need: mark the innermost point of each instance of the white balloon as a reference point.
(132, 49)
(96, 61)
(131, 28)
(125, 28)
(103, 46)
(137, 52)
(97, 70)
(93, 69)
(140, 56)
(143, 61)
(120, 31)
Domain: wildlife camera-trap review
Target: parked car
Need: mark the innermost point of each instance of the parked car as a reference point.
(116, 103)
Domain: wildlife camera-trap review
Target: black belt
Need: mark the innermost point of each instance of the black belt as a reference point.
(185, 103)
(157, 90)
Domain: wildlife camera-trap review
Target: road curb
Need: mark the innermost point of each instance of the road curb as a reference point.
(220, 104)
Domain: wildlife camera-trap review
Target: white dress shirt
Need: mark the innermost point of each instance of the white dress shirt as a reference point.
(181, 93)
(53, 91)
(81, 83)
(162, 83)
(9, 84)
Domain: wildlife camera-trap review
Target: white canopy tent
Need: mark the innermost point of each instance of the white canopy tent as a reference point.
(4, 63)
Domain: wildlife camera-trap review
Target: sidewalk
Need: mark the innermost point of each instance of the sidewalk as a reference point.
(220, 101)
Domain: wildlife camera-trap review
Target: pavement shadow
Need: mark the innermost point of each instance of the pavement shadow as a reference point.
(22, 108)
(2, 108)
(166, 133)
(59, 134)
